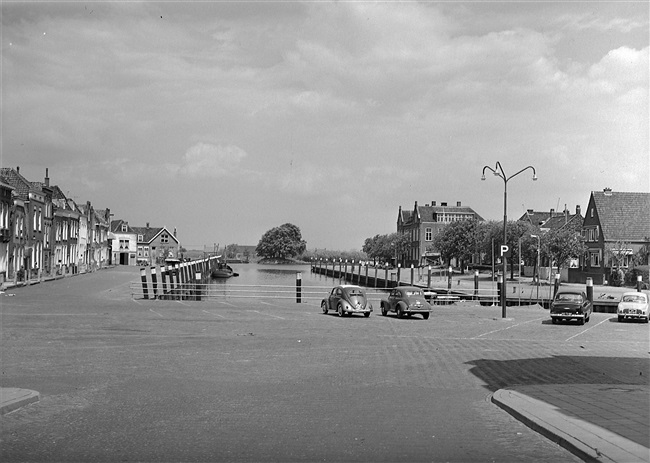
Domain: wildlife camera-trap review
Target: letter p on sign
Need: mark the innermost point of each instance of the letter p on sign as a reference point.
(505, 250)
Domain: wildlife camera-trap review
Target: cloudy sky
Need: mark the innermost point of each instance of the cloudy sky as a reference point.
(225, 119)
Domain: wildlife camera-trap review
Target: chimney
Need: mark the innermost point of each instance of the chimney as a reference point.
(174, 232)
(607, 191)
(18, 169)
(551, 214)
(47, 177)
(529, 211)
(578, 210)
(457, 203)
(147, 225)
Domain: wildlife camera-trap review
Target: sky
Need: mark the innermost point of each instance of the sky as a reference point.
(226, 119)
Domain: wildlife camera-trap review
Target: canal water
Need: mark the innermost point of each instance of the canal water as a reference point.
(274, 281)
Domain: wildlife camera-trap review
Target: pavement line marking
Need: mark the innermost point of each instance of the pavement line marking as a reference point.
(584, 331)
(182, 303)
(212, 313)
(156, 313)
(508, 327)
(268, 314)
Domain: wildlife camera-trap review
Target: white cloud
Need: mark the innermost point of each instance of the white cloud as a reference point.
(206, 160)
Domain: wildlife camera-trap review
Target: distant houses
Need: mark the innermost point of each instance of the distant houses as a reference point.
(45, 233)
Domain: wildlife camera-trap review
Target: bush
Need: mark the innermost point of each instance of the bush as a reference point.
(641, 270)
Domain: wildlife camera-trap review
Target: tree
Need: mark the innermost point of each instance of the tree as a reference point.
(231, 251)
(281, 242)
(460, 240)
(562, 245)
(385, 247)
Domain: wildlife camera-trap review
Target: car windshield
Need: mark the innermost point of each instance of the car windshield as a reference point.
(413, 293)
(633, 298)
(568, 297)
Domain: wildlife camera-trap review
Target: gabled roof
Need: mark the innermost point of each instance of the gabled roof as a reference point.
(116, 226)
(151, 233)
(622, 215)
(538, 218)
(564, 221)
(21, 185)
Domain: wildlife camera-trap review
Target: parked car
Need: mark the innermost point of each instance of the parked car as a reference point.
(633, 306)
(406, 301)
(346, 300)
(571, 304)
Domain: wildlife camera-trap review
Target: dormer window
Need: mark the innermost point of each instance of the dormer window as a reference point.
(140, 238)
(125, 228)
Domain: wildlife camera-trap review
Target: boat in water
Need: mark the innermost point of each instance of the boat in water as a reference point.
(223, 270)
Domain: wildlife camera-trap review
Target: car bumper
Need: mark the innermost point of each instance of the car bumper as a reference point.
(568, 316)
(353, 310)
(633, 316)
(418, 310)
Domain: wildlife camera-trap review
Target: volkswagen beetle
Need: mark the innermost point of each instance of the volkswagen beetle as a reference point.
(405, 301)
(347, 300)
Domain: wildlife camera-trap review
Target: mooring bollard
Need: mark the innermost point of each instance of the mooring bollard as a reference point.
(500, 289)
(429, 277)
(298, 288)
(639, 281)
(556, 285)
(412, 275)
(476, 285)
(154, 282)
(399, 272)
(197, 282)
(449, 277)
(143, 277)
(590, 289)
(163, 280)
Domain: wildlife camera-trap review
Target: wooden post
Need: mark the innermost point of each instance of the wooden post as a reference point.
(476, 285)
(163, 281)
(298, 288)
(154, 281)
(590, 289)
(143, 277)
(412, 275)
(197, 282)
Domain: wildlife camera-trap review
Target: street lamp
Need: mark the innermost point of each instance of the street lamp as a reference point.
(498, 172)
(538, 246)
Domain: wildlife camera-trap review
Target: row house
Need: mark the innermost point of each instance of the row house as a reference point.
(616, 228)
(422, 224)
(142, 245)
(43, 231)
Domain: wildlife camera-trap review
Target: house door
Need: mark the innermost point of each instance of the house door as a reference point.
(124, 258)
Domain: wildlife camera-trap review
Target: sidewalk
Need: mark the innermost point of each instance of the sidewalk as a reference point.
(12, 398)
(596, 422)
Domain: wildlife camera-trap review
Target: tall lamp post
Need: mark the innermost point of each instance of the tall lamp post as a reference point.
(498, 172)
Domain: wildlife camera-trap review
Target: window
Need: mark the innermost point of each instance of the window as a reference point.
(164, 238)
(140, 237)
(125, 228)
(428, 236)
(594, 257)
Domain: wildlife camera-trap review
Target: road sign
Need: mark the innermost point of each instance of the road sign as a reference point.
(505, 250)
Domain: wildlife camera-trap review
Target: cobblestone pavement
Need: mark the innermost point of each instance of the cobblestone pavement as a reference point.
(272, 380)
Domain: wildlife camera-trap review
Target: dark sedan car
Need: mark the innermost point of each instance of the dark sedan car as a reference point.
(405, 301)
(571, 304)
(346, 300)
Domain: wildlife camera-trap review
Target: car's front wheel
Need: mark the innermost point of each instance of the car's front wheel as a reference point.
(366, 314)
(400, 313)
(340, 310)
(323, 306)
(582, 320)
(425, 315)
(620, 319)
(384, 310)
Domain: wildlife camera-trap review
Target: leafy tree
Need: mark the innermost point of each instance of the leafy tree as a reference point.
(384, 248)
(231, 251)
(562, 245)
(282, 242)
